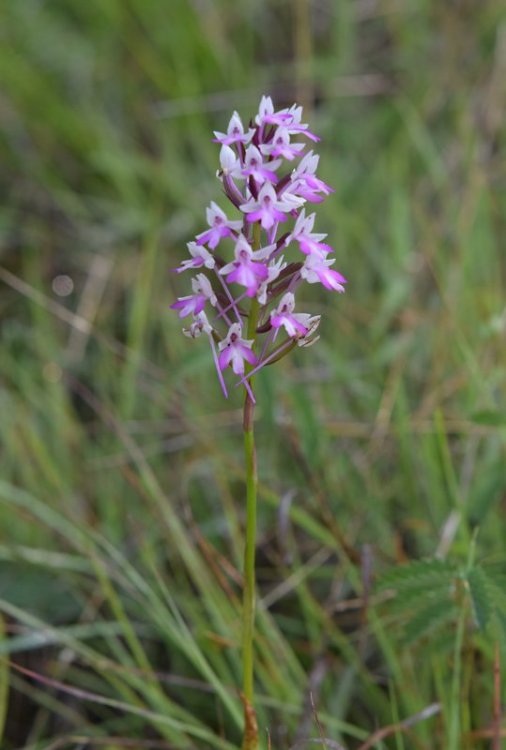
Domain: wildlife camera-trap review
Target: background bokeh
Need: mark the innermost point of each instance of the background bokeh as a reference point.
(121, 469)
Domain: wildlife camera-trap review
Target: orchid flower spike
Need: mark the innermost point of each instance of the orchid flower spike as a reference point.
(246, 276)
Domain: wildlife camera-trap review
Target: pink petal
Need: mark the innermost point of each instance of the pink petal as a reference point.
(247, 353)
(255, 215)
(225, 357)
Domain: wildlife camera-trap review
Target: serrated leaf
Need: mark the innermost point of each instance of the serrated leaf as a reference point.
(496, 570)
(428, 619)
(417, 597)
(421, 574)
(480, 596)
(496, 583)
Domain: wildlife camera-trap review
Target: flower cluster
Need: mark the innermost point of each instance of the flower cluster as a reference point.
(256, 288)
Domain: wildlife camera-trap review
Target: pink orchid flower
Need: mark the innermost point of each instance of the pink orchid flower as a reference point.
(295, 324)
(281, 146)
(309, 242)
(200, 257)
(317, 269)
(230, 164)
(305, 181)
(266, 114)
(194, 303)
(235, 350)
(235, 132)
(255, 167)
(245, 269)
(268, 208)
(220, 227)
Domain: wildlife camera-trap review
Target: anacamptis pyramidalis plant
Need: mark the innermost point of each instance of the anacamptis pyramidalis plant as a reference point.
(248, 270)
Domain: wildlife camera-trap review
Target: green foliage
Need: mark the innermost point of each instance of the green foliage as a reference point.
(481, 598)
(428, 595)
(122, 481)
(419, 575)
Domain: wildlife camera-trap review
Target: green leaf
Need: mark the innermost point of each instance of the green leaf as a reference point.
(496, 570)
(419, 574)
(416, 597)
(480, 596)
(496, 583)
(429, 619)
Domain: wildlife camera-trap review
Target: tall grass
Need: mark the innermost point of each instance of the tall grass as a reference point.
(122, 490)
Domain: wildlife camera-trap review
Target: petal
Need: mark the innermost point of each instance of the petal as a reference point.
(247, 354)
(224, 357)
(256, 216)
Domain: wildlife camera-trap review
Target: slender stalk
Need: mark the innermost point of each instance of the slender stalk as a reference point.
(249, 558)
(454, 728)
(456, 698)
(250, 741)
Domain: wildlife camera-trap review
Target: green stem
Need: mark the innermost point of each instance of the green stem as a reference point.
(250, 741)
(454, 728)
(249, 563)
(455, 690)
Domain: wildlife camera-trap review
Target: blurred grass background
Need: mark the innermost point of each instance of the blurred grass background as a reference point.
(121, 465)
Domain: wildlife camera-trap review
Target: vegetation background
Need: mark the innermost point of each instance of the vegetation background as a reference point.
(121, 491)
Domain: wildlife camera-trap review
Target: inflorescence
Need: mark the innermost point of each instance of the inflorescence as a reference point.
(252, 175)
